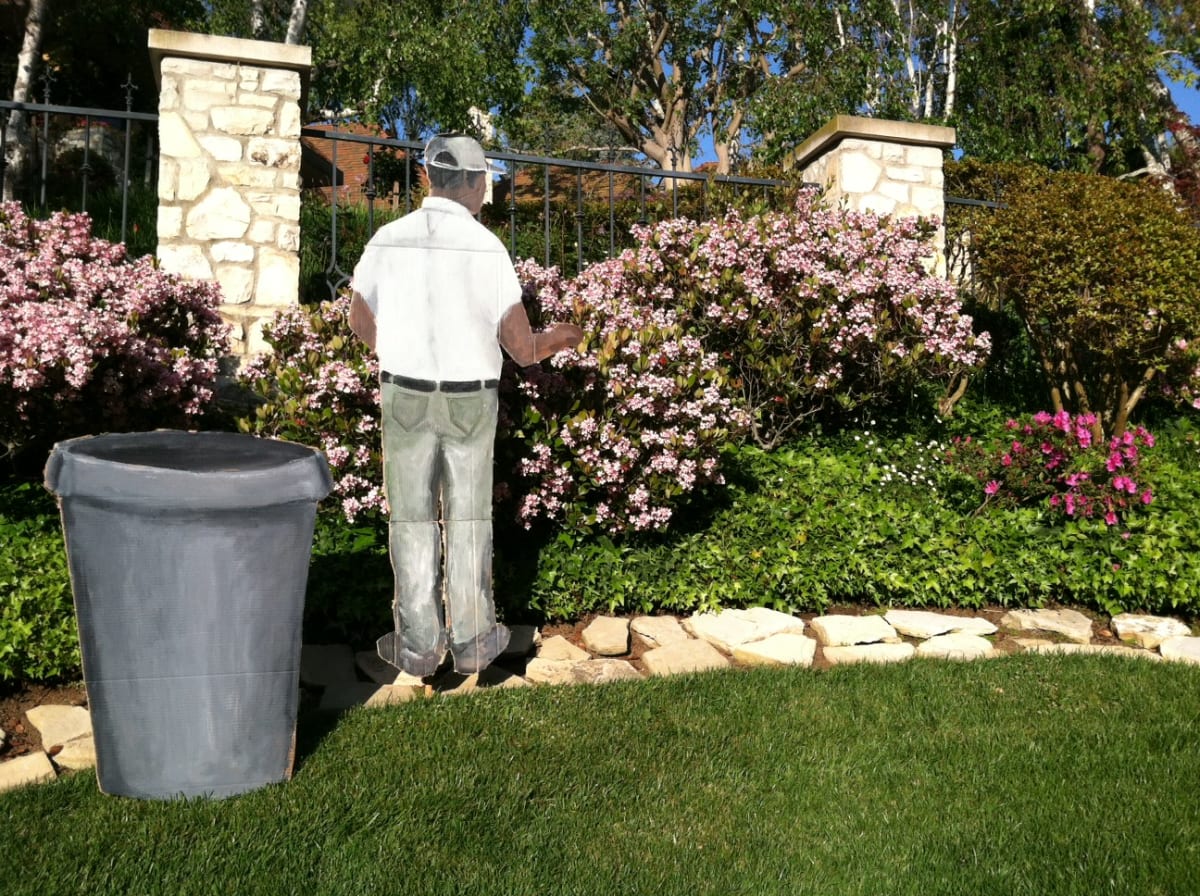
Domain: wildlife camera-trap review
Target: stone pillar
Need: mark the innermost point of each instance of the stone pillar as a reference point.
(886, 167)
(229, 171)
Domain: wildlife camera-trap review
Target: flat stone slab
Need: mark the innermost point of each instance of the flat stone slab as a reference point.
(785, 649)
(1148, 631)
(58, 724)
(1109, 649)
(845, 631)
(727, 629)
(600, 671)
(848, 654)
(957, 646)
(541, 670)
(77, 754)
(589, 671)
(1069, 623)
(926, 624)
(322, 665)
(35, 768)
(1183, 650)
(559, 648)
(607, 636)
(684, 657)
(659, 631)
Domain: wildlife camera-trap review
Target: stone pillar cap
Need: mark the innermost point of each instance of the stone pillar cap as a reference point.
(212, 48)
(840, 127)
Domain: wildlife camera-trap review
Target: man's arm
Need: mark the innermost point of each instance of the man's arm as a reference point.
(527, 347)
(362, 321)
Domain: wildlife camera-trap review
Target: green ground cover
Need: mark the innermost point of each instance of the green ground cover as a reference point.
(1028, 774)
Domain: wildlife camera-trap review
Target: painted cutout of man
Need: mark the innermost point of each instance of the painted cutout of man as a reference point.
(436, 298)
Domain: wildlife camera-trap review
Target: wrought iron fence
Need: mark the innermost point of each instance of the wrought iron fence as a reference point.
(83, 159)
(559, 211)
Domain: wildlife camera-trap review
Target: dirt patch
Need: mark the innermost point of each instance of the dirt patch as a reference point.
(17, 699)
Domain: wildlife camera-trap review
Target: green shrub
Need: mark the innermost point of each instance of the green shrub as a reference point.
(39, 639)
(1103, 275)
(877, 521)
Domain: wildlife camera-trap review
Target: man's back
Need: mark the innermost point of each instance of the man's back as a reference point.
(438, 283)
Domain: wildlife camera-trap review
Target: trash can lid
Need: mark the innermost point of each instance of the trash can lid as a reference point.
(188, 470)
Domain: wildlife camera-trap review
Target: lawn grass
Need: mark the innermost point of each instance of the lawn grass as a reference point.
(1028, 774)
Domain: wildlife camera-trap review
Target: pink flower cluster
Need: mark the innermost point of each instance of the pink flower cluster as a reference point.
(93, 341)
(320, 387)
(1052, 460)
(808, 307)
(619, 434)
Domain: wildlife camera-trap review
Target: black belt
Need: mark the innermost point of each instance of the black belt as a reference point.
(407, 382)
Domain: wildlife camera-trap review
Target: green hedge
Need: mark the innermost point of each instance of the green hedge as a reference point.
(38, 637)
(820, 525)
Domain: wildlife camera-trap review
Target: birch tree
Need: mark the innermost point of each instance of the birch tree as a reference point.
(18, 126)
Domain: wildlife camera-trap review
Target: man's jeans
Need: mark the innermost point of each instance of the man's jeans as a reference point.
(437, 449)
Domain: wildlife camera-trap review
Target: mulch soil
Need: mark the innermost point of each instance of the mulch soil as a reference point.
(16, 698)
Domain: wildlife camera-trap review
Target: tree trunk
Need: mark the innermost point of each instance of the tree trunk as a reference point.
(18, 127)
(296, 22)
(257, 20)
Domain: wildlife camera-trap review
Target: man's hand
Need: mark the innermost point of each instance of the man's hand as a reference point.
(527, 347)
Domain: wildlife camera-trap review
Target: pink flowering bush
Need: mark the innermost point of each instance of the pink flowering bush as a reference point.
(320, 387)
(615, 437)
(611, 440)
(1055, 462)
(91, 341)
(809, 309)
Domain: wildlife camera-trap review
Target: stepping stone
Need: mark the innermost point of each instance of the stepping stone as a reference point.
(845, 631)
(924, 624)
(607, 636)
(722, 630)
(380, 671)
(523, 640)
(601, 671)
(541, 670)
(1184, 650)
(322, 665)
(57, 724)
(1148, 631)
(559, 648)
(1111, 649)
(1070, 623)
(683, 657)
(77, 754)
(785, 649)
(659, 631)
(956, 646)
(35, 768)
(772, 622)
(868, 653)
(729, 628)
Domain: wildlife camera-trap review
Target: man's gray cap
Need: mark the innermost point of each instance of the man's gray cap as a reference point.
(455, 152)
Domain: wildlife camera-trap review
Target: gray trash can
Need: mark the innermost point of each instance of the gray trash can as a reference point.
(189, 557)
